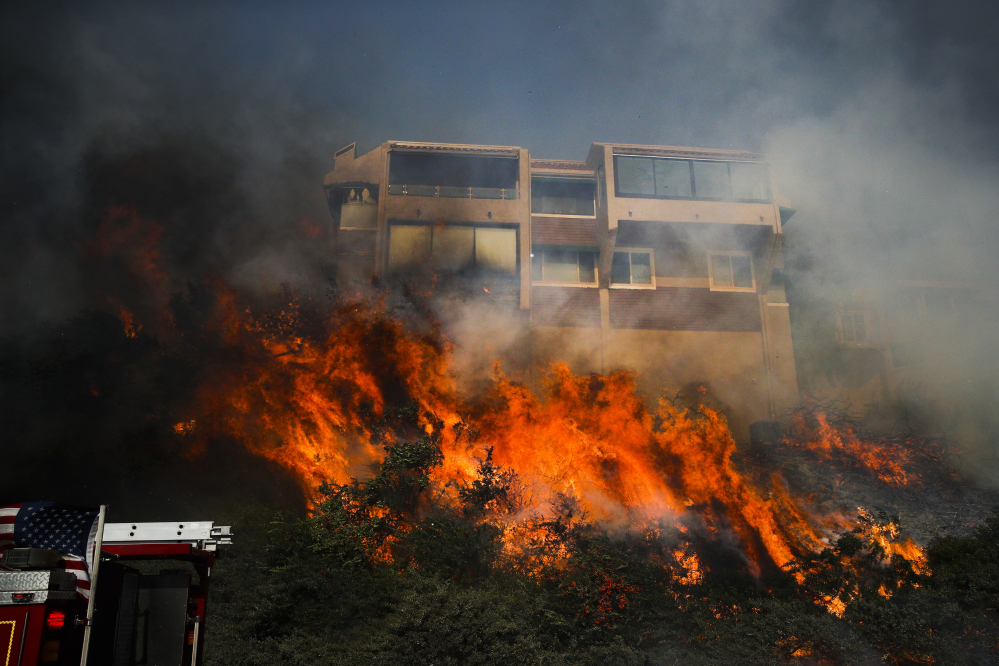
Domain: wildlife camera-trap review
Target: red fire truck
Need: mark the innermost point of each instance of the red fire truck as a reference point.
(146, 603)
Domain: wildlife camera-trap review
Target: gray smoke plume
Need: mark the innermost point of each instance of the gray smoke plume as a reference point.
(218, 122)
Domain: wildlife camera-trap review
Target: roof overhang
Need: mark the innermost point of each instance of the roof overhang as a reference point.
(454, 149)
(690, 153)
(561, 168)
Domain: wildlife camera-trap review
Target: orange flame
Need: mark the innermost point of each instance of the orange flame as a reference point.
(886, 461)
(593, 438)
(128, 325)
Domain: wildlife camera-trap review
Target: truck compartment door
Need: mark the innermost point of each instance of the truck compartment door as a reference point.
(161, 627)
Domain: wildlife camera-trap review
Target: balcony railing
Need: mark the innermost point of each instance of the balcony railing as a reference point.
(445, 191)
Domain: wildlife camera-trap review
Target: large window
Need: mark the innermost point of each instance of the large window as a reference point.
(550, 196)
(458, 176)
(731, 271)
(452, 248)
(562, 265)
(667, 178)
(632, 267)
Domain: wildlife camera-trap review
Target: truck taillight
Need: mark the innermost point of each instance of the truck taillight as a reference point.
(22, 597)
(55, 620)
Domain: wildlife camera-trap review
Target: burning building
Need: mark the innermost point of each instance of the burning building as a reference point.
(660, 260)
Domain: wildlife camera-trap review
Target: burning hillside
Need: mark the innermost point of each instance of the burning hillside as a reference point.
(572, 484)
(319, 389)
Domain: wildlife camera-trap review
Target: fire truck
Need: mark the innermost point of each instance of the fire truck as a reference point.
(146, 606)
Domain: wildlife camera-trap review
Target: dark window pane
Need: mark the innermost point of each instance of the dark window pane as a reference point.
(536, 263)
(711, 180)
(750, 181)
(452, 170)
(641, 268)
(672, 178)
(742, 272)
(721, 270)
(587, 267)
(634, 175)
(562, 197)
(621, 268)
(561, 266)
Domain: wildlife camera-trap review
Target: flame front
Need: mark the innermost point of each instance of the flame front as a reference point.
(314, 390)
(314, 403)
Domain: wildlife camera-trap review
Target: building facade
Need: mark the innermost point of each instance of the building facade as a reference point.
(661, 260)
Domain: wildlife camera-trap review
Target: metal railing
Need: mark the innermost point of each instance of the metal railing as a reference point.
(448, 192)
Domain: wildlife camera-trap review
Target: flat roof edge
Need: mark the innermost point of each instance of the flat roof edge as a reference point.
(571, 168)
(459, 148)
(682, 151)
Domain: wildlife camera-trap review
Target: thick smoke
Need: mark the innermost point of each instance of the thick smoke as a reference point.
(218, 123)
(134, 177)
(119, 109)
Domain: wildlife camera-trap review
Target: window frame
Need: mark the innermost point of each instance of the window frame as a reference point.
(566, 248)
(731, 253)
(693, 182)
(631, 285)
(569, 180)
(853, 326)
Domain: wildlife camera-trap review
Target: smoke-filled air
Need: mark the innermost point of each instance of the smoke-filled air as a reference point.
(426, 474)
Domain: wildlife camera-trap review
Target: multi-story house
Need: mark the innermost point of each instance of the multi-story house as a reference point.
(664, 261)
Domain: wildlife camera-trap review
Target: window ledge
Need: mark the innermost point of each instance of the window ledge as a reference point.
(536, 283)
(867, 344)
(688, 282)
(744, 290)
(581, 217)
(629, 195)
(633, 286)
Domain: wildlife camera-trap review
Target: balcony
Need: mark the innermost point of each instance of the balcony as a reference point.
(447, 176)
